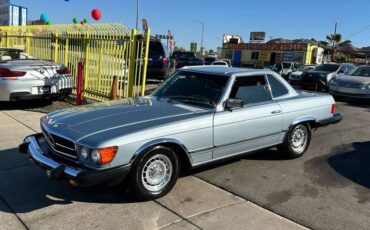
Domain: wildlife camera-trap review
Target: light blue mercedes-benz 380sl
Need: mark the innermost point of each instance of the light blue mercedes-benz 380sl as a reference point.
(198, 116)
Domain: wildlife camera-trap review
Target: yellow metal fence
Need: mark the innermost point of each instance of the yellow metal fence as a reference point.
(107, 50)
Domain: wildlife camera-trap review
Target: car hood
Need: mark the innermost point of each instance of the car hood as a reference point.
(354, 79)
(128, 115)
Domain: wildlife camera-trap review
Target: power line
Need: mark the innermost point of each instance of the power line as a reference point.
(359, 31)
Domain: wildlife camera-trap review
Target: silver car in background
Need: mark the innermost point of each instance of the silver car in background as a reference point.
(198, 116)
(354, 85)
(24, 77)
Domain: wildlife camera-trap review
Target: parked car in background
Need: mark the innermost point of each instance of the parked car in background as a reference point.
(322, 75)
(198, 116)
(159, 62)
(185, 58)
(22, 77)
(295, 76)
(220, 63)
(209, 60)
(285, 68)
(228, 61)
(354, 85)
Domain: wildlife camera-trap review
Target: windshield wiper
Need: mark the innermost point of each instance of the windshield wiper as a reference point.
(189, 99)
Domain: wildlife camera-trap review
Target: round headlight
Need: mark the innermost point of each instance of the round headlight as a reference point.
(95, 156)
(84, 154)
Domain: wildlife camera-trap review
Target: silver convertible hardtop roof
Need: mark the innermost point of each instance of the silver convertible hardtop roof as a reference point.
(220, 70)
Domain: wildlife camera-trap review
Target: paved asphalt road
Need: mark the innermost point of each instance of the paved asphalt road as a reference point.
(328, 188)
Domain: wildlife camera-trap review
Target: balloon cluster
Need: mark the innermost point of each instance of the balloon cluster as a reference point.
(45, 19)
(95, 14)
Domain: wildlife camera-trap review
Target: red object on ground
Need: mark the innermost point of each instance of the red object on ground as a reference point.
(96, 14)
(80, 80)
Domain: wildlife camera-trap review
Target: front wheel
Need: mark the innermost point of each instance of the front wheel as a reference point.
(297, 141)
(155, 173)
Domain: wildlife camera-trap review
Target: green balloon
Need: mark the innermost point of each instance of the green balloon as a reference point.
(48, 22)
(85, 20)
(75, 20)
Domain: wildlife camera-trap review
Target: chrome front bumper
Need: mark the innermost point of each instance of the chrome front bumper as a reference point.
(75, 176)
(38, 156)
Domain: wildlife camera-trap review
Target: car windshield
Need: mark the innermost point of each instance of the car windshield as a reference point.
(327, 67)
(9, 54)
(188, 55)
(156, 48)
(306, 67)
(219, 63)
(361, 71)
(193, 88)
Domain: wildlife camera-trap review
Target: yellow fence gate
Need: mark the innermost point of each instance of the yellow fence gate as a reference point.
(107, 50)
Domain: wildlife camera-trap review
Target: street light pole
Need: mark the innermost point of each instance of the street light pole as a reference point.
(201, 43)
(137, 14)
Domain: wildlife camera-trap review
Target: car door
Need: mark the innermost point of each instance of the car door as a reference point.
(256, 125)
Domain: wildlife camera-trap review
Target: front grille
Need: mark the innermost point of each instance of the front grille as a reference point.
(60, 145)
(350, 85)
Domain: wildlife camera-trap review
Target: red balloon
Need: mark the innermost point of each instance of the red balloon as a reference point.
(96, 14)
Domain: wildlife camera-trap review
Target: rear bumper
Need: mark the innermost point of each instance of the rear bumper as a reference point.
(336, 118)
(75, 176)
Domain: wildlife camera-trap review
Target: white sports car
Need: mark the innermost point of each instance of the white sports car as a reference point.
(24, 77)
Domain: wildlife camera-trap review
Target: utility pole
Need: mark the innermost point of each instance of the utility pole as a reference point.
(201, 43)
(137, 14)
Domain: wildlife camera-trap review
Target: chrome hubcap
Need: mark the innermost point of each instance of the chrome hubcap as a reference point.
(299, 139)
(157, 173)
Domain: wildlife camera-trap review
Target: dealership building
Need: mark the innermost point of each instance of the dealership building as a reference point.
(12, 15)
(267, 54)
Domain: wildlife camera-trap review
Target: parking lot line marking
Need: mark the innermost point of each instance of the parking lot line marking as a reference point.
(178, 214)
(19, 122)
(11, 209)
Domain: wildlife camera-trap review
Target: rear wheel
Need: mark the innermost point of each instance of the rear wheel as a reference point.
(155, 173)
(297, 141)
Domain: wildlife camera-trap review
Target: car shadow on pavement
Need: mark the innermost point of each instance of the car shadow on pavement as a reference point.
(24, 187)
(24, 105)
(354, 164)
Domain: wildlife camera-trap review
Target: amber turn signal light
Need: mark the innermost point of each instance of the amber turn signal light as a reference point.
(107, 154)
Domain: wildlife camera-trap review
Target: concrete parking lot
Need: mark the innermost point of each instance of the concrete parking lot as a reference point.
(328, 188)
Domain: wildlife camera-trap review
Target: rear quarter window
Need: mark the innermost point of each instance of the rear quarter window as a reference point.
(277, 88)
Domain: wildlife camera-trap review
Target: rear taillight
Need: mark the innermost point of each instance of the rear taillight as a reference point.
(64, 70)
(332, 110)
(165, 60)
(7, 74)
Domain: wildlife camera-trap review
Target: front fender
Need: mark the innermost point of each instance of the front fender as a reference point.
(160, 141)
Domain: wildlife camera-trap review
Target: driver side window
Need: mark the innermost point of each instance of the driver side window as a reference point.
(251, 89)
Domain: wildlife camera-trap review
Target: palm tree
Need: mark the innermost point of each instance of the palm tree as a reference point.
(335, 41)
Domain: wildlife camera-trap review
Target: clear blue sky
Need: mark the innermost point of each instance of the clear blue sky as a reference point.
(285, 18)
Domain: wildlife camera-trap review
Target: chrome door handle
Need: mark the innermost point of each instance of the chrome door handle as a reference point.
(276, 112)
